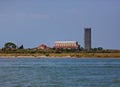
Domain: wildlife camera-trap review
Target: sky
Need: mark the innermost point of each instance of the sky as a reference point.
(35, 22)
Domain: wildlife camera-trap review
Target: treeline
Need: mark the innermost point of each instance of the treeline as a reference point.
(10, 47)
(32, 51)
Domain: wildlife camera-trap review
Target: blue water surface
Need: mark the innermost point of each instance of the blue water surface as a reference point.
(59, 72)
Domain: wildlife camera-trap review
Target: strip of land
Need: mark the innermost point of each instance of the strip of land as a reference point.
(60, 55)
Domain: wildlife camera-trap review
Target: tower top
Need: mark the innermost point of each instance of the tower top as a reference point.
(87, 27)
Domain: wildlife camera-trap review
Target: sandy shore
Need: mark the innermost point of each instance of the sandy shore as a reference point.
(63, 55)
(34, 57)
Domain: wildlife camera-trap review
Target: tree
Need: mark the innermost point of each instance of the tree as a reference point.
(21, 47)
(100, 48)
(10, 46)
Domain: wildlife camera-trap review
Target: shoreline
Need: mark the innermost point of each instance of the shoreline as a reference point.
(62, 55)
(35, 57)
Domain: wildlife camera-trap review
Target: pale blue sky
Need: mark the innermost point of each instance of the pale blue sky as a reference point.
(33, 22)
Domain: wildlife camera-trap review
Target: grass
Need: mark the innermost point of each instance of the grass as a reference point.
(78, 55)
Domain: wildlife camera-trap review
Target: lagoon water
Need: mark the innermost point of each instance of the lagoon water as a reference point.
(59, 72)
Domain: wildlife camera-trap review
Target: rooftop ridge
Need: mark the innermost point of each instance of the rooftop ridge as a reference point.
(65, 41)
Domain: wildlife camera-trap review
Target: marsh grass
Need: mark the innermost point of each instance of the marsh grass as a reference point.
(77, 55)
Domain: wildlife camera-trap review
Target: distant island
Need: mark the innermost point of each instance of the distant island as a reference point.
(10, 50)
(60, 49)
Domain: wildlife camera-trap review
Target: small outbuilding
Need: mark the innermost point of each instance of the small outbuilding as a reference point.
(43, 47)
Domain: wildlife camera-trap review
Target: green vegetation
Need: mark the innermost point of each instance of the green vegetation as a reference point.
(10, 46)
(10, 49)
